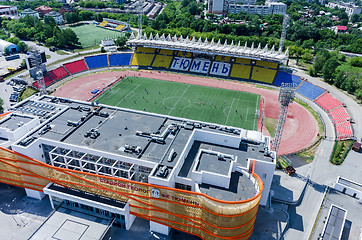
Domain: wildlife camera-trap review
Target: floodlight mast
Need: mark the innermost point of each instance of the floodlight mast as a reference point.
(284, 32)
(140, 14)
(36, 61)
(286, 96)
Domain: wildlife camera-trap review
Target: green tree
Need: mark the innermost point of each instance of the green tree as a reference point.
(120, 41)
(329, 68)
(49, 21)
(1, 105)
(307, 56)
(22, 47)
(356, 62)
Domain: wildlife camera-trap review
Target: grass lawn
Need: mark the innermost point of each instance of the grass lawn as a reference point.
(90, 35)
(27, 93)
(340, 151)
(232, 108)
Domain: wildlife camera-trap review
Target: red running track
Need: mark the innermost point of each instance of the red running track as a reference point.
(300, 129)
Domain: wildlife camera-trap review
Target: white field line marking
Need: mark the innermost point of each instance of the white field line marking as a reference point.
(227, 118)
(178, 100)
(247, 111)
(256, 111)
(115, 92)
(138, 85)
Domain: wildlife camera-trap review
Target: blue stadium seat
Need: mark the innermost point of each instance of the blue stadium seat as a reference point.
(97, 61)
(119, 59)
(284, 77)
(310, 90)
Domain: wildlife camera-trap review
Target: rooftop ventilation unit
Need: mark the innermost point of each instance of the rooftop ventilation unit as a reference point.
(172, 155)
(163, 172)
(72, 123)
(45, 129)
(92, 133)
(132, 149)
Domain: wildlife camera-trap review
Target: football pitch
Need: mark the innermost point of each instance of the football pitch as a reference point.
(90, 35)
(226, 107)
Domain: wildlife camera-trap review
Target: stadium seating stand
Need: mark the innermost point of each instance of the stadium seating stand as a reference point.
(327, 102)
(309, 90)
(263, 74)
(58, 73)
(140, 59)
(283, 77)
(162, 61)
(344, 130)
(240, 71)
(119, 59)
(75, 67)
(339, 115)
(97, 61)
(266, 64)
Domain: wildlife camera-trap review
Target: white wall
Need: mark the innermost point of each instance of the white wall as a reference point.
(217, 138)
(20, 131)
(159, 228)
(218, 6)
(34, 194)
(349, 189)
(265, 170)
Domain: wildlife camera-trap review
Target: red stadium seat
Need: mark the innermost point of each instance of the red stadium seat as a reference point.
(75, 67)
(327, 102)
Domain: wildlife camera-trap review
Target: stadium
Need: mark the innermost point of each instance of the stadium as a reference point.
(161, 139)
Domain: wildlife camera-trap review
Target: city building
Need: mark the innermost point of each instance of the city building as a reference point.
(58, 18)
(349, 8)
(29, 12)
(42, 10)
(276, 7)
(198, 177)
(8, 10)
(6, 46)
(249, 7)
(340, 29)
(66, 8)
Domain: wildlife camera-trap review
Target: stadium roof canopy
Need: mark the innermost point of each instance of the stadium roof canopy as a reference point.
(210, 48)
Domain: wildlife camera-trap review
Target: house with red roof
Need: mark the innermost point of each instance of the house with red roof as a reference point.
(340, 29)
(42, 10)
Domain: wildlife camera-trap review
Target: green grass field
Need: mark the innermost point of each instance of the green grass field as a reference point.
(232, 108)
(90, 35)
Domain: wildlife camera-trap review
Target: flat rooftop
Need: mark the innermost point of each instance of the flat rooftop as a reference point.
(15, 121)
(243, 152)
(351, 184)
(241, 188)
(120, 127)
(158, 139)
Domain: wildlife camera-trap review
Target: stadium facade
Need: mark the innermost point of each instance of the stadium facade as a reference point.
(198, 177)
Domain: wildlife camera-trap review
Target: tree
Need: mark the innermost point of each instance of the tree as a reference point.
(22, 47)
(356, 62)
(329, 68)
(355, 18)
(49, 21)
(121, 41)
(1, 105)
(193, 9)
(307, 56)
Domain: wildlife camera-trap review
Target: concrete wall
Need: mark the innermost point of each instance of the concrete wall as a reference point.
(265, 170)
(349, 190)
